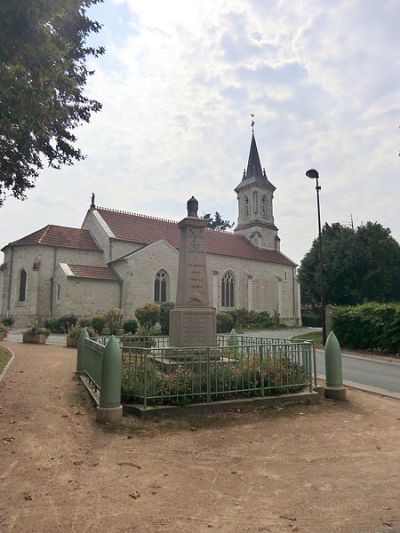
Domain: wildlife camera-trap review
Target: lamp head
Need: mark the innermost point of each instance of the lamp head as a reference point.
(312, 174)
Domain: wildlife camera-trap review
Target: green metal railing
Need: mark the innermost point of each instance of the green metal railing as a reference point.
(238, 367)
(100, 366)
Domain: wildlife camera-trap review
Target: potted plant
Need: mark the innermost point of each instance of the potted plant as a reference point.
(74, 334)
(3, 331)
(35, 334)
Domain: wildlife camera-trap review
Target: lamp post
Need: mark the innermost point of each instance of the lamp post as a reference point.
(313, 174)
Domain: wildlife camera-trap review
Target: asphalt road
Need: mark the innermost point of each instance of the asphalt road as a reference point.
(375, 375)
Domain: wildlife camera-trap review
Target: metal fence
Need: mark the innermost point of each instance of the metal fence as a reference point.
(154, 373)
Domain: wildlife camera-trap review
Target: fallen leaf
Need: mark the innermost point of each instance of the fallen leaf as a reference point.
(386, 508)
(78, 463)
(127, 463)
(301, 413)
(387, 524)
(193, 429)
(292, 518)
(294, 528)
(27, 496)
(135, 495)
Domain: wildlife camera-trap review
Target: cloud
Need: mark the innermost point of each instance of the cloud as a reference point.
(178, 83)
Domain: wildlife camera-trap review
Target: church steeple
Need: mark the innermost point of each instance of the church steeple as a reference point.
(255, 194)
(254, 172)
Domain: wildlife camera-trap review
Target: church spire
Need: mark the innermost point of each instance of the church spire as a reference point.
(254, 169)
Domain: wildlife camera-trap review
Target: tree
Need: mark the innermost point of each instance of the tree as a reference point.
(217, 222)
(359, 265)
(43, 72)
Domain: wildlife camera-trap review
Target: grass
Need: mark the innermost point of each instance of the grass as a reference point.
(314, 336)
(5, 356)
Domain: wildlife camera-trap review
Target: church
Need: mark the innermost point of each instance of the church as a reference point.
(124, 260)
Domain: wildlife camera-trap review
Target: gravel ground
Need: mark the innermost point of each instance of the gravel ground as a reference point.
(322, 468)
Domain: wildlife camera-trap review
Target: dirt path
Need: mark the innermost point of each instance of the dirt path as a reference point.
(316, 469)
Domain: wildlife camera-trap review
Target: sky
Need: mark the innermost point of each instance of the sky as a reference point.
(178, 83)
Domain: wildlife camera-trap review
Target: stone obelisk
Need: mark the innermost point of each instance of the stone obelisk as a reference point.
(192, 321)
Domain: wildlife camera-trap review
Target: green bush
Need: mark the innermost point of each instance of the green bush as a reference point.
(148, 316)
(85, 323)
(75, 332)
(311, 319)
(53, 325)
(130, 326)
(114, 318)
(66, 322)
(98, 323)
(35, 329)
(370, 326)
(8, 321)
(2, 328)
(224, 322)
(164, 317)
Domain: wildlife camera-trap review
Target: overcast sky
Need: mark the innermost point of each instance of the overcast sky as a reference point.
(178, 83)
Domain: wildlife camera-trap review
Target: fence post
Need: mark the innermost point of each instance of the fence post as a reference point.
(333, 368)
(80, 359)
(110, 408)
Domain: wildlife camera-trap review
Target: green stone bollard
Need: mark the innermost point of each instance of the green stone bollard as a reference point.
(110, 409)
(80, 359)
(334, 388)
(233, 339)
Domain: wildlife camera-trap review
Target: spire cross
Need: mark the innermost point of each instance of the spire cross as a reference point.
(252, 122)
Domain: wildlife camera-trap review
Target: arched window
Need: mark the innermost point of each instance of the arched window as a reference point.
(22, 286)
(228, 290)
(160, 287)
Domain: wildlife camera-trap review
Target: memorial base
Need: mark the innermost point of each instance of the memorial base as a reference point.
(192, 326)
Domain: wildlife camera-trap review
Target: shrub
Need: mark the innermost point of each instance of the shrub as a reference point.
(74, 333)
(130, 326)
(35, 329)
(369, 326)
(8, 321)
(225, 322)
(311, 319)
(148, 316)
(98, 323)
(85, 323)
(53, 325)
(2, 328)
(114, 319)
(164, 317)
(67, 322)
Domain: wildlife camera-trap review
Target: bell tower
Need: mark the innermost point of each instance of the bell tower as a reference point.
(255, 195)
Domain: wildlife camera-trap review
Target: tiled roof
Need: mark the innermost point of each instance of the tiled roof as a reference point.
(146, 230)
(60, 236)
(93, 272)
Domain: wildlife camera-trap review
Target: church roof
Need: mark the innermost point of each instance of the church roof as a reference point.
(143, 229)
(254, 171)
(60, 236)
(93, 272)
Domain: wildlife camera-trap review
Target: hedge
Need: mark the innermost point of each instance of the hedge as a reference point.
(370, 326)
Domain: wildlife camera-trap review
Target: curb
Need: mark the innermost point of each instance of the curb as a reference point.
(2, 375)
(366, 388)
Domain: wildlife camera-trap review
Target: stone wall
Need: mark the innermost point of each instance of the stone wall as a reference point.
(88, 297)
(39, 262)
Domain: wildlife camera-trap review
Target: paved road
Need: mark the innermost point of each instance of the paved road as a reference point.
(371, 373)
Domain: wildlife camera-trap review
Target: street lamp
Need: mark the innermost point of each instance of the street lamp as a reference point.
(313, 174)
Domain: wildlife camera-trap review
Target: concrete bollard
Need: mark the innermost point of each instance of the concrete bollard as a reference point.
(233, 339)
(110, 408)
(80, 359)
(334, 388)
